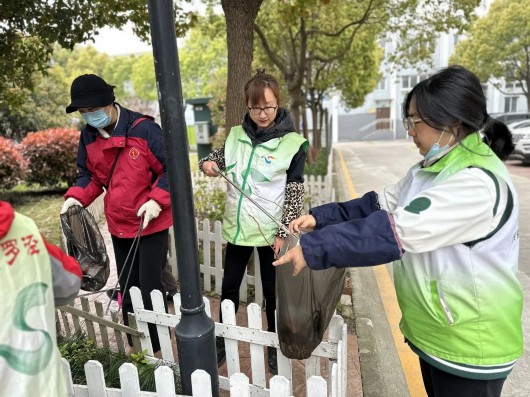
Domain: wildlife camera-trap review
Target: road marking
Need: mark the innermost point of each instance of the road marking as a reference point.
(409, 360)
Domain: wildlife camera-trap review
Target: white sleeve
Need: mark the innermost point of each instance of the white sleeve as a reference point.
(389, 195)
(465, 207)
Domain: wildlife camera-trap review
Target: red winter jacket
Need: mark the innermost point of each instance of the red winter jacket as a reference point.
(139, 175)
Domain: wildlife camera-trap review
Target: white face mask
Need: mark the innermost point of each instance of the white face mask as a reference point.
(97, 119)
(436, 149)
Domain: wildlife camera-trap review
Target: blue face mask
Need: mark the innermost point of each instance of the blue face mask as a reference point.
(436, 149)
(97, 119)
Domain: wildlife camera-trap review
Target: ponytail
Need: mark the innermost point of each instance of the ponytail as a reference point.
(498, 137)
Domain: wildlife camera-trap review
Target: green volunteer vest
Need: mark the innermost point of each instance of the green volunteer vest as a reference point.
(261, 172)
(30, 364)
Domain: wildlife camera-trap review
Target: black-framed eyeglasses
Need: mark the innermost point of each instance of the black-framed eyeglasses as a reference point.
(256, 111)
(410, 124)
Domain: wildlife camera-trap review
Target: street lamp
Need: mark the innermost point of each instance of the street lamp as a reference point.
(195, 332)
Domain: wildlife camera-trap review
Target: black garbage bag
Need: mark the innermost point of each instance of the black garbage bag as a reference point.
(304, 305)
(85, 243)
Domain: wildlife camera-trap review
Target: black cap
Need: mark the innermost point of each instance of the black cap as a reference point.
(89, 90)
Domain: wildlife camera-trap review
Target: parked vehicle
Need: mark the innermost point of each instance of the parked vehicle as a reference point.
(522, 151)
(520, 133)
(508, 118)
(518, 124)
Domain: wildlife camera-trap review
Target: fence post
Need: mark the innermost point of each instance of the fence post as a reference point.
(257, 358)
(68, 377)
(138, 303)
(201, 384)
(129, 381)
(239, 386)
(218, 257)
(207, 281)
(316, 387)
(163, 332)
(280, 386)
(231, 346)
(164, 381)
(95, 378)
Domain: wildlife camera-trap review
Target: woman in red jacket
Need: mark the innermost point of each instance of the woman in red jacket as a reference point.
(122, 152)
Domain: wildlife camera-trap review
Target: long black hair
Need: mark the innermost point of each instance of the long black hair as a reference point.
(453, 97)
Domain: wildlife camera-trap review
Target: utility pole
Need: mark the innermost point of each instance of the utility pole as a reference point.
(195, 332)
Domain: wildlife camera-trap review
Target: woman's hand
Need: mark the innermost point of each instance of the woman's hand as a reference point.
(304, 222)
(210, 168)
(278, 244)
(295, 256)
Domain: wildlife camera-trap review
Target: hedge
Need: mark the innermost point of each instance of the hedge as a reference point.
(51, 155)
(13, 167)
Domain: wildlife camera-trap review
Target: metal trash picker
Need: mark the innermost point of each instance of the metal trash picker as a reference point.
(276, 221)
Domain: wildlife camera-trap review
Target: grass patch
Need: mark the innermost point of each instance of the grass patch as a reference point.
(40, 204)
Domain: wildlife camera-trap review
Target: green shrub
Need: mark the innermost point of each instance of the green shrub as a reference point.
(319, 166)
(78, 349)
(209, 201)
(12, 164)
(51, 155)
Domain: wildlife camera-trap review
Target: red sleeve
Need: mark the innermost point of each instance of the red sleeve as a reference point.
(69, 264)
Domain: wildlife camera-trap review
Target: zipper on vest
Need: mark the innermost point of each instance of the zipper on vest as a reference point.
(247, 171)
(445, 307)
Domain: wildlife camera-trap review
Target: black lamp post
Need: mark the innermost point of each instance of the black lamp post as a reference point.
(196, 331)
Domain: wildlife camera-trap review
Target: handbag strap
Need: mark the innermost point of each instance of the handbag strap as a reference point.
(134, 124)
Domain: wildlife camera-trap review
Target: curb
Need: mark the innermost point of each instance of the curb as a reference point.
(381, 371)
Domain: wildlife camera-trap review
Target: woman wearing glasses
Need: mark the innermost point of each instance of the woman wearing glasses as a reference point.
(451, 228)
(265, 156)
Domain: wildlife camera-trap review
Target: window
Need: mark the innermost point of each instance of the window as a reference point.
(382, 84)
(510, 104)
(408, 82)
(514, 86)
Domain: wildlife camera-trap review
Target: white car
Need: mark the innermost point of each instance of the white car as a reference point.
(520, 133)
(518, 124)
(522, 151)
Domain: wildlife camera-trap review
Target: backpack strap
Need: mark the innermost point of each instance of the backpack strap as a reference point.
(134, 124)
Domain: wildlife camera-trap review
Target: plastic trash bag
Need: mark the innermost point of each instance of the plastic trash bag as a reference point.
(304, 305)
(85, 243)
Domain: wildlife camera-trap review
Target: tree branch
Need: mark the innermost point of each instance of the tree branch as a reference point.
(280, 63)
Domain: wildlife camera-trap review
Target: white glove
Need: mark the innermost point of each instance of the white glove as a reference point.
(70, 202)
(151, 210)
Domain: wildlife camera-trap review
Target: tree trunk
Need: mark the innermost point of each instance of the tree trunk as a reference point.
(314, 120)
(240, 16)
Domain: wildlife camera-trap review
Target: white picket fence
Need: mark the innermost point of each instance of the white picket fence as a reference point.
(165, 384)
(333, 350)
(330, 383)
(318, 189)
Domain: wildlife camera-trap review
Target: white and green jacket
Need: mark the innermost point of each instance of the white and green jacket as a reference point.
(452, 230)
